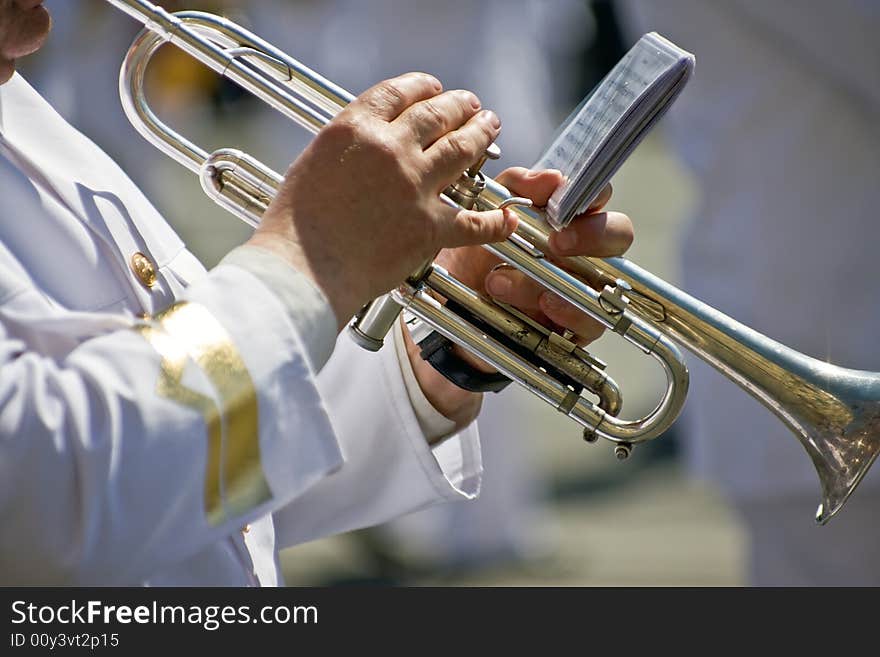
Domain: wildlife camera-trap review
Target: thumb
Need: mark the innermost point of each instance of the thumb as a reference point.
(470, 228)
(536, 184)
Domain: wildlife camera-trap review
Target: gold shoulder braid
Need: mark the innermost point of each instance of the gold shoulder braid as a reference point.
(234, 477)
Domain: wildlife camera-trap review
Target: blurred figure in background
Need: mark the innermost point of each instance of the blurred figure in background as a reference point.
(780, 128)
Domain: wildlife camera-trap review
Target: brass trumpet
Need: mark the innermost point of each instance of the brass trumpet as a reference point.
(834, 412)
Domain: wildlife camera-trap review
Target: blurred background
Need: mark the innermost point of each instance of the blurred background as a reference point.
(757, 193)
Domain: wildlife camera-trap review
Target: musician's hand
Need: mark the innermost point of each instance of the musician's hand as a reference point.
(595, 233)
(359, 210)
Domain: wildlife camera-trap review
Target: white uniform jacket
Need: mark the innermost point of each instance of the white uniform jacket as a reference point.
(149, 411)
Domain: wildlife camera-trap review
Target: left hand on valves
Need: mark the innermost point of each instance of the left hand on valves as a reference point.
(594, 233)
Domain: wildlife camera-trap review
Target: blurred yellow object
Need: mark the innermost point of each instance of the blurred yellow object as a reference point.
(178, 80)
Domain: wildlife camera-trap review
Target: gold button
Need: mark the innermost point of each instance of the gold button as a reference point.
(143, 269)
(245, 529)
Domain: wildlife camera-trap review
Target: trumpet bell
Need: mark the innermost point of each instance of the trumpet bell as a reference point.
(837, 418)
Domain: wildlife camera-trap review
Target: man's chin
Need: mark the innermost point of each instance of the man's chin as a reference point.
(7, 68)
(43, 25)
(33, 30)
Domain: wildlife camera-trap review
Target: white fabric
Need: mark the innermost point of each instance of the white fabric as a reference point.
(101, 479)
(432, 423)
(304, 301)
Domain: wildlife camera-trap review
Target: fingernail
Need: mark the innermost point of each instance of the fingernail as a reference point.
(472, 99)
(511, 221)
(565, 240)
(499, 285)
(552, 301)
(492, 118)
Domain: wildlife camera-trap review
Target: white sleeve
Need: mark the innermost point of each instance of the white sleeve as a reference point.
(433, 424)
(141, 446)
(389, 467)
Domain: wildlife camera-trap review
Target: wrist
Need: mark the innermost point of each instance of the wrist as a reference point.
(457, 404)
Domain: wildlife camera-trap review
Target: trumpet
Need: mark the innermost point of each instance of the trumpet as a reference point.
(834, 412)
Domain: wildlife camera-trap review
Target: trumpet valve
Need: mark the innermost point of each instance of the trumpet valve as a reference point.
(471, 183)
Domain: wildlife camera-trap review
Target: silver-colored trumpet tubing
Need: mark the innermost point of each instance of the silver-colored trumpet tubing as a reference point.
(834, 412)
(590, 415)
(564, 356)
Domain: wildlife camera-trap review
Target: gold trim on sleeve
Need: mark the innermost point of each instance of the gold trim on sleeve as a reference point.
(234, 477)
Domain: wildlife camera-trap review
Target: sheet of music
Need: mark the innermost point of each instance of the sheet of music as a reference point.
(598, 136)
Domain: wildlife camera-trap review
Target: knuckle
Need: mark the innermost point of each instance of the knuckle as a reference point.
(432, 230)
(457, 146)
(387, 93)
(385, 146)
(391, 91)
(473, 223)
(463, 223)
(388, 155)
(344, 127)
(430, 114)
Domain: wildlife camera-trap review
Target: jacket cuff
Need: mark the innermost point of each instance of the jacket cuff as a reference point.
(432, 422)
(452, 468)
(305, 304)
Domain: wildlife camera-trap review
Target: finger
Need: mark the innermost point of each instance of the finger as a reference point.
(537, 185)
(469, 228)
(432, 118)
(559, 311)
(389, 98)
(600, 235)
(459, 149)
(510, 286)
(602, 200)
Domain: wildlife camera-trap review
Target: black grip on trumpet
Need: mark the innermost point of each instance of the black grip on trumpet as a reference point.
(437, 350)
